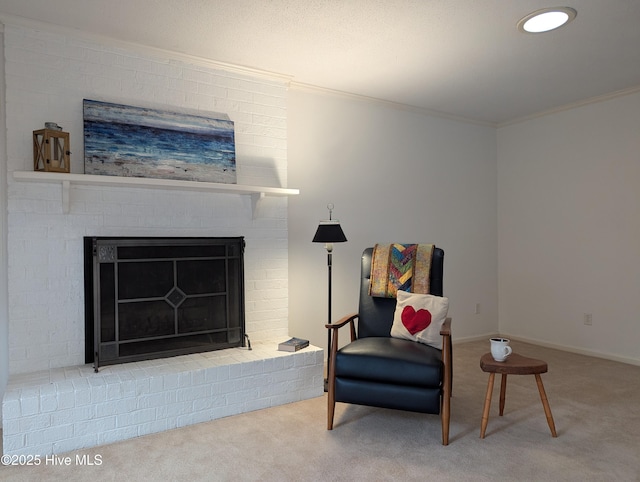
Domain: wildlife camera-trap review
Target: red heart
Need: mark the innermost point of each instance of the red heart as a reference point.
(415, 321)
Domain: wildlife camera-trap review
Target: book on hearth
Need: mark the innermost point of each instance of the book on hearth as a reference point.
(293, 344)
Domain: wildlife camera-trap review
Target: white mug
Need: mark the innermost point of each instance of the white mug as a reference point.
(500, 349)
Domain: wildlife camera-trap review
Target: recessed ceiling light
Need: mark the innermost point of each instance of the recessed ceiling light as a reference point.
(546, 19)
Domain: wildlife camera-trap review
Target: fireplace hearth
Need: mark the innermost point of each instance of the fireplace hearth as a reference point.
(148, 298)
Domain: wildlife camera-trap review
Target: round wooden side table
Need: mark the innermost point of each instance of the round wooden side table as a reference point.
(514, 365)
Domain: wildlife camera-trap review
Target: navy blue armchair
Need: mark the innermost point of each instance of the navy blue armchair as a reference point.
(377, 370)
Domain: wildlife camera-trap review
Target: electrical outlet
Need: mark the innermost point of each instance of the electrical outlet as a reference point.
(588, 319)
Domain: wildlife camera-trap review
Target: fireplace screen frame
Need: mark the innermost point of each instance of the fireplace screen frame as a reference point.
(106, 257)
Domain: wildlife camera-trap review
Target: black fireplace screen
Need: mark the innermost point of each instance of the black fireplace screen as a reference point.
(157, 297)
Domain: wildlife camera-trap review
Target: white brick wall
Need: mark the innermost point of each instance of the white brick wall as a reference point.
(63, 409)
(47, 76)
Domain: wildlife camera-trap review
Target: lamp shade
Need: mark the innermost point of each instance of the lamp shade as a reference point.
(329, 232)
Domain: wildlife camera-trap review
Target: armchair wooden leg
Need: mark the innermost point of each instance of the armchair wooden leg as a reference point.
(446, 418)
(331, 407)
(445, 405)
(446, 392)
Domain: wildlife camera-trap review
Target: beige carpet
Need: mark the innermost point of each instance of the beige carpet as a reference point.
(595, 404)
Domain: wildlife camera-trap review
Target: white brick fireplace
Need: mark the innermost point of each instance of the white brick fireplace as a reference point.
(48, 74)
(62, 409)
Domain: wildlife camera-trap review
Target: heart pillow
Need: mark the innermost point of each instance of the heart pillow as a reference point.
(415, 321)
(419, 318)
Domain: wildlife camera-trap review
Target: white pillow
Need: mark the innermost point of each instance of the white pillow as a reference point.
(420, 318)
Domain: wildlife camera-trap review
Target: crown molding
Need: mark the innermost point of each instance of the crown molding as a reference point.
(156, 52)
(288, 80)
(573, 105)
(229, 67)
(303, 87)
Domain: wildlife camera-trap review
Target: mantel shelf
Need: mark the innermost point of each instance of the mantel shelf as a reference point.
(257, 192)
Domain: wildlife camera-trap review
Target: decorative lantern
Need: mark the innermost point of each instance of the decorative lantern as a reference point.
(51, 150)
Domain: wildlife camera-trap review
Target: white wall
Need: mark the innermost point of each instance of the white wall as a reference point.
(569, 228)
(549, 209)
(47, 75)
(393, 176)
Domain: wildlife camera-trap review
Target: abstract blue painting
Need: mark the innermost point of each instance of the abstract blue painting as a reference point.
(121, 140)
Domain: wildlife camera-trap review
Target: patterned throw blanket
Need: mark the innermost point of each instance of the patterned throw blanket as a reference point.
(403, 267)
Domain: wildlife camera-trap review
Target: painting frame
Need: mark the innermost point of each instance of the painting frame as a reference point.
(129, 141)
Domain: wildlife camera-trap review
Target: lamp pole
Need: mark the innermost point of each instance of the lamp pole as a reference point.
(329, 247)
(329, 232)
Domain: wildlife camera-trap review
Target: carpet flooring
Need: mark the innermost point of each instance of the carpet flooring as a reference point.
(595, 404)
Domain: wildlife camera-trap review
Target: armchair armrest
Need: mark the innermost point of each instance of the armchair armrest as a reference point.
(342, 321)
(350, 319)
(447, 361)
(445, 330)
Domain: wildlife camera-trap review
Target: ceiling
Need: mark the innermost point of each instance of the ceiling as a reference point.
(463, 58)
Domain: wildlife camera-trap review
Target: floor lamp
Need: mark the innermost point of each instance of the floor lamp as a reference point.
(329, 232)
